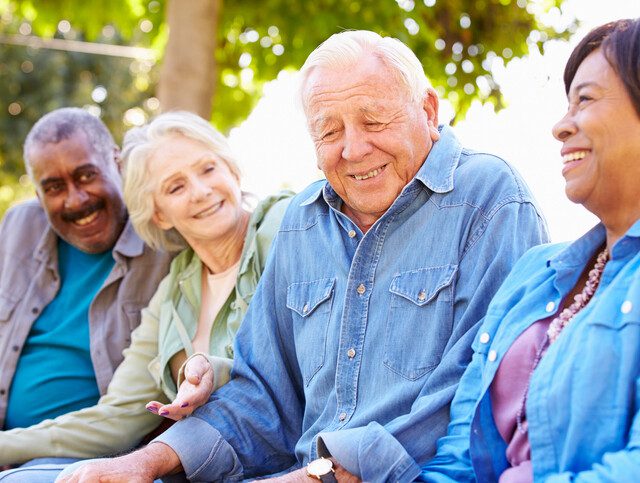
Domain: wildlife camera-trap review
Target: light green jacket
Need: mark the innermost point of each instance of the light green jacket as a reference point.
(119, 420)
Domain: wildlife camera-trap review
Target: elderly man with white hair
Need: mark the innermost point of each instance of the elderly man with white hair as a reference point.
(362, 323)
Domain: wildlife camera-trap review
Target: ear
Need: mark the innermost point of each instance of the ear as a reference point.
(430, 106)
(117, 157)
(160, 221)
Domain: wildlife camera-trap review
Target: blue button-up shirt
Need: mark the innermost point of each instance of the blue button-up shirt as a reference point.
(583, 400)
(361, 338)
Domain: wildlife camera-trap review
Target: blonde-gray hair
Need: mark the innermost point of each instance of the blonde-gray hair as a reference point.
(139, 145)
(347, 48)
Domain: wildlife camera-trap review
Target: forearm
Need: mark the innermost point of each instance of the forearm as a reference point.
(96, 431)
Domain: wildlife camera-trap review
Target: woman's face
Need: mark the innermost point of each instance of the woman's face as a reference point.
(194, 191)
(600, 135)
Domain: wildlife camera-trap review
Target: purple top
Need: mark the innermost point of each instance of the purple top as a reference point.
(507, 399)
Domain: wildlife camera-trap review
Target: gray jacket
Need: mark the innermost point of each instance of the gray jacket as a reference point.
(29, 281)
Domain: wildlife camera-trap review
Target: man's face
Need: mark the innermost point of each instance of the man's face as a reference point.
(370, 137)
(80, 192)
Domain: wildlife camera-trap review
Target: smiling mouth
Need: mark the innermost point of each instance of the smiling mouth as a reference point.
(87, 219)
(371, 174)
(575, 156)
(209, 211)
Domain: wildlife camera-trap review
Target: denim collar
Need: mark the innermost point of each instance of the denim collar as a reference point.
(436, 173)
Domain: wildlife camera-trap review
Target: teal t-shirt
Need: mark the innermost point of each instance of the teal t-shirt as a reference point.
(55, 374)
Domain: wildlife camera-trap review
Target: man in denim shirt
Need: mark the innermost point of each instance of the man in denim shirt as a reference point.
(363, 320)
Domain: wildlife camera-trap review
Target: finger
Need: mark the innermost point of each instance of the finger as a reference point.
(154, 406)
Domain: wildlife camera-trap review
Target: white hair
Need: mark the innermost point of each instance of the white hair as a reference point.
(139, 145)
(347, 48)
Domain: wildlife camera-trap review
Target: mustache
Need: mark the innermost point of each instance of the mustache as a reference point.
(71, 216)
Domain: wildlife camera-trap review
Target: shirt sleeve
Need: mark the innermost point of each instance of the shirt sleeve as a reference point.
(250, 425)
(116, 423)
(396, 450)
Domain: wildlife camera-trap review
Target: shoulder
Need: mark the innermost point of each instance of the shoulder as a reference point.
(27, 210)
(23, 225)
(534, 260)
(270, 211)
(305, 208)
(489, 182)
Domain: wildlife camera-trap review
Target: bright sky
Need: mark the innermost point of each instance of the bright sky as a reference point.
(276, 150)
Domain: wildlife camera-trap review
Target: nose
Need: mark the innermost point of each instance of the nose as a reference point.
(356, 145)
(564, 128)
(199, 190)
(76, 198)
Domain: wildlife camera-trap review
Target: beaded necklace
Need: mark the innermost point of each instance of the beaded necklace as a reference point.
(562, 320)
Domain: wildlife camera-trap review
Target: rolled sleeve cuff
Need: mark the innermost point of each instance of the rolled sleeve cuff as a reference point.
(204, 454)
(369, 452)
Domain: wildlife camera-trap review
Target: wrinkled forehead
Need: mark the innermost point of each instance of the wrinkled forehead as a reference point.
(368, 75)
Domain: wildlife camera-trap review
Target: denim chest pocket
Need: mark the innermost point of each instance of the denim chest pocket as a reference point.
(310, 303)
(419, 320)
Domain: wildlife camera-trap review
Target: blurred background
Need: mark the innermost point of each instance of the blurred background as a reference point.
(497, 65)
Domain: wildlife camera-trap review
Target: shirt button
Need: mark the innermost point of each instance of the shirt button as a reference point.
(626, 307)
(550, 306)
(2, 392)
(484, 337)
(422, 295)
(352, 233)
(351, 353)
(361, 289)
(493, 355)
(305, 309)
(16, 348)
(35, 310)
(342, 416)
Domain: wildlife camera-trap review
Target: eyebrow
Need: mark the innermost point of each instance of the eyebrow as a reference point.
(584, 84)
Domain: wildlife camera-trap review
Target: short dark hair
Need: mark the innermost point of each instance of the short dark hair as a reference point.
(61, 124)
(620, 43)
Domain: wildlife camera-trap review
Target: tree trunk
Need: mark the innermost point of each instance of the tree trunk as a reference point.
(188, 74)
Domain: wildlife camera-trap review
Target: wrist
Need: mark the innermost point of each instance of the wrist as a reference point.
(160, 459)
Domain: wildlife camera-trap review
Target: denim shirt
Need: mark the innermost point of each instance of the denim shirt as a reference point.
(583, 400)
(362, 338)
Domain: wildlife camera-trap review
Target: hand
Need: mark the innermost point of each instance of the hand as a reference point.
(142, 466)
(300, 476)
(193, 393)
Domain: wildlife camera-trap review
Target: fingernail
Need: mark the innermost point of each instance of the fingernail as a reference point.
(152, 409)
(184, 404)
(164, 413)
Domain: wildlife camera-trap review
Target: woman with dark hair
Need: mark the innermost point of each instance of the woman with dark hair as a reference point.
(553, 389)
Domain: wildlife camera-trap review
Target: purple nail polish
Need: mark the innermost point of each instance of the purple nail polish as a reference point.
(152, 409)
(184, 404)
(164, 413)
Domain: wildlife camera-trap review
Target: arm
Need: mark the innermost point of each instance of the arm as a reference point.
(199, 376)
(251, 424)
(119, 420)
(395, 451)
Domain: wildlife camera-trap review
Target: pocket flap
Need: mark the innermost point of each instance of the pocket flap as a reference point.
(422, 285)
(304, 297)
(6, 307)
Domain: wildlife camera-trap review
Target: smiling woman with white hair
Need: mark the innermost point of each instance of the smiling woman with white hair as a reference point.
(182, 190)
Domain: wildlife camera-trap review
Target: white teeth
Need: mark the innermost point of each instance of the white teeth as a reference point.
(370, 174)
(87, 219)
(574, 156)
(208, 211)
